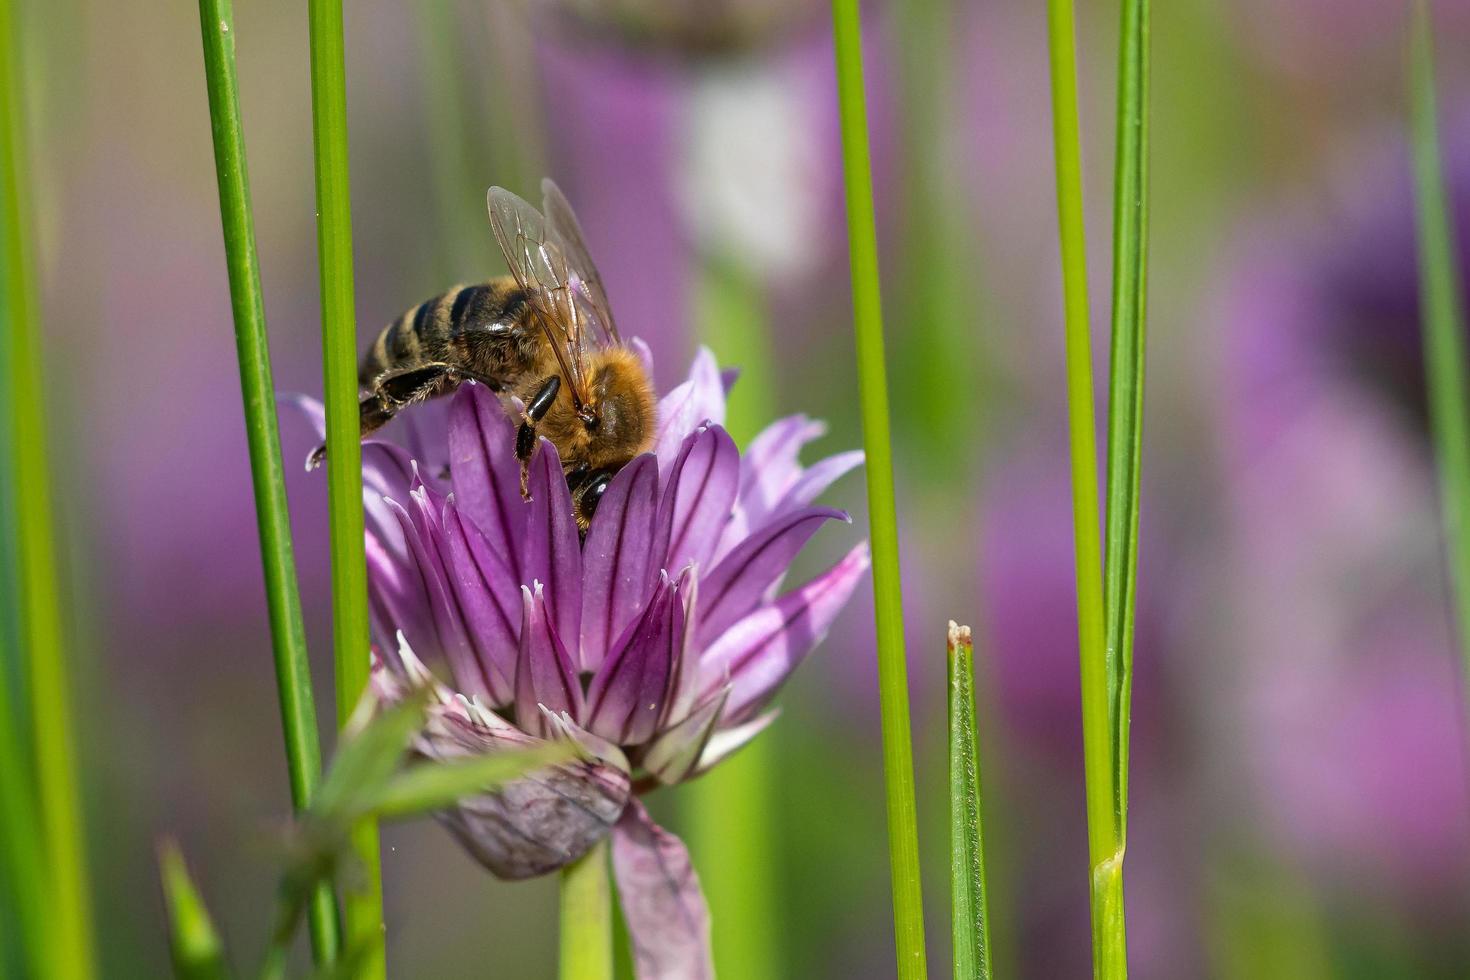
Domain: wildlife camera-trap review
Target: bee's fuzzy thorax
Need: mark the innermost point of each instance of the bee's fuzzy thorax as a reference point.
(621, 395)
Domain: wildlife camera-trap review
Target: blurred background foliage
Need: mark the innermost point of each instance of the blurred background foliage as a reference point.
(1299, 803)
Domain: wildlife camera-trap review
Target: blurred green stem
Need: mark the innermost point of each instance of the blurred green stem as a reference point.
(462, 245)
(898, 758)
(1104, 833)
(68, 913)
(940, 269)
(1443, 313)
(283, 599)
(363, 905)
(732, 832)
(586, 918)
(730, 308)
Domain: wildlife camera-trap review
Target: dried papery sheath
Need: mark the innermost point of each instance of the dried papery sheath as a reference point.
(656, 642)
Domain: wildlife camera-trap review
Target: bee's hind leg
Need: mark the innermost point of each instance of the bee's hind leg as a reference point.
(539, 405)
(391, 392)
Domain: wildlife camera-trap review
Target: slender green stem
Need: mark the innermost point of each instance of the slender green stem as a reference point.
(586, 918)
(22, 872)
(69, 912)
(731, 810)
(969, 917)
(23, 888)
(1104, 834)
(898, 759)
(1125, 456)
(363, 906)
(1125, 392)
(1443, 313)
(283, 600)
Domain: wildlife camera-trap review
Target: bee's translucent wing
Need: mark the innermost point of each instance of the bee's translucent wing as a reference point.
(540, 266)
(565, 232)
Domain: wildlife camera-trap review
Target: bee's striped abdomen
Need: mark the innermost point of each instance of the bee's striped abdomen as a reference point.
(416, 336)
(476, 327)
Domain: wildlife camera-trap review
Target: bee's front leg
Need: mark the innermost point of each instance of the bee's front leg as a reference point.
(526, 435)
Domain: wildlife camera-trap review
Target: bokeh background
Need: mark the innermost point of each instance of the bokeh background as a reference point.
(1299, 764)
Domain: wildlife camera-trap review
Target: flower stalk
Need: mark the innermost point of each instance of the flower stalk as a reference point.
(898, 760)
(362, 906)
(58, 820)
(1104, 593)
(1443, 313)
(283, 600)
(586, 951)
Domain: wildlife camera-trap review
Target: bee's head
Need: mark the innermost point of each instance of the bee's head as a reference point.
(620, 410)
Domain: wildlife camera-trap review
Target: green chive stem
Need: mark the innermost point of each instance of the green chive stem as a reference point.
(68, 914)
(586, 918)
(898, 758)
(362, 906)
(969, 916)
(283, 599)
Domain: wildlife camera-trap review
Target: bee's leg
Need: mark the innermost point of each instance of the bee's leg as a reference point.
(401, 388)
(391, 392)
(539, 405)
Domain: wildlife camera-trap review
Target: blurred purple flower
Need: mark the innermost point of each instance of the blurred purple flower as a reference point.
(1345, 659)
(692, 28)
(657, 643)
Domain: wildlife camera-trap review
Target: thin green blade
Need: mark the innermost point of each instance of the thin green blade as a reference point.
(193, 941)
(432, 786)
(969, 921)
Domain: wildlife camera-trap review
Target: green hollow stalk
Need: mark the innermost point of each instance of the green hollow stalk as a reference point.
(362, 906)
(898, 758)
(283, 599)
(23, 888)
(731, 811)
(1125, 445)
(969, 914)
(69, 949)
(1125, 391)
(1443, 313)
(586, 945)
(1104, 833)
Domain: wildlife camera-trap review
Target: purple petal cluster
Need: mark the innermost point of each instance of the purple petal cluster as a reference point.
(657, 642)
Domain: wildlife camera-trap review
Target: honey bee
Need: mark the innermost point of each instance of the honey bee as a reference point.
(544, 335)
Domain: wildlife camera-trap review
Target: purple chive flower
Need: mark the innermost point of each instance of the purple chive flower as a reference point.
(657, 643)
